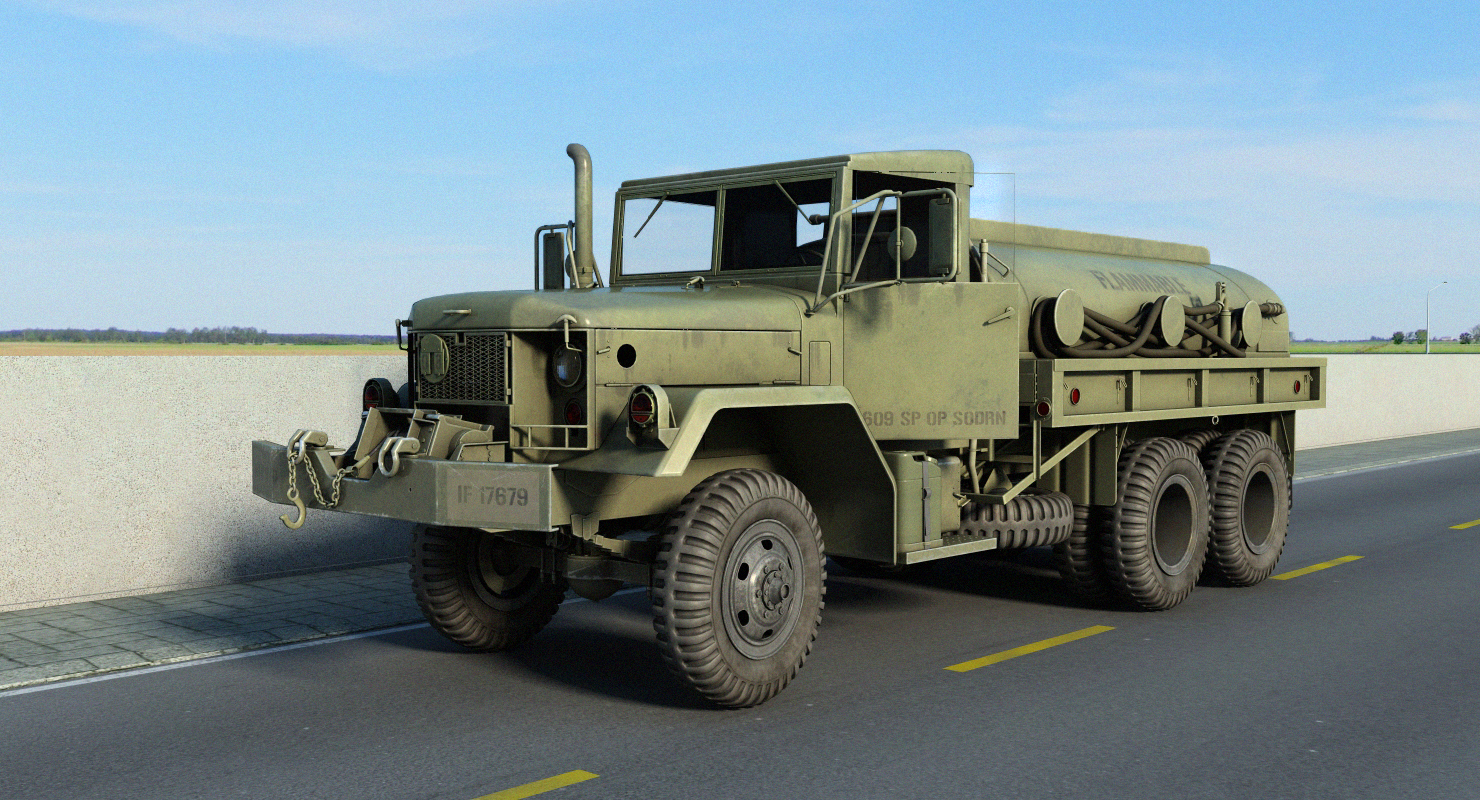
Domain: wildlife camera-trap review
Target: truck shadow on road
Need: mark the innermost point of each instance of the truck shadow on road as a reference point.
(609, 648)
(1020, 576)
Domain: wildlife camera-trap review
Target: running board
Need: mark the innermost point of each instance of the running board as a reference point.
(948, 550)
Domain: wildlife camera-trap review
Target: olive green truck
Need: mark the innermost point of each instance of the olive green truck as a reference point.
(812, 359)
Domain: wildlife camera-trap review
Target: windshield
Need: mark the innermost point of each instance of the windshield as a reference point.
(768, 226)
(774, 225)
(668, 233)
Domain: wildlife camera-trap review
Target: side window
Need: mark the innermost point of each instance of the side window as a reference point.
(668, 233)
(764, 228)
(928, 218)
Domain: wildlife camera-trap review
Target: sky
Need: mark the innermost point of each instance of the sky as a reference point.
(318, 167)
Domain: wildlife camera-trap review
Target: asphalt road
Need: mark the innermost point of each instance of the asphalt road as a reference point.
(1355, 681)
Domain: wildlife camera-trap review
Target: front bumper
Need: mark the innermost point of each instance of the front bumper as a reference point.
(433, 491)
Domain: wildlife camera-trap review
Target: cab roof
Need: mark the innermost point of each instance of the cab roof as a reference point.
(950, 166)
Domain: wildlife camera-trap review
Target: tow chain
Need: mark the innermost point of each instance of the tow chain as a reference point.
(298, 453)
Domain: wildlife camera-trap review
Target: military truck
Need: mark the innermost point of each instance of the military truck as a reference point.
(815, 358)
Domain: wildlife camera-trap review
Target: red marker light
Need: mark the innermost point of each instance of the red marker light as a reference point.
(378, 393)
(1074, 397)
(574, 414)
(1297, 387)
(640, 411)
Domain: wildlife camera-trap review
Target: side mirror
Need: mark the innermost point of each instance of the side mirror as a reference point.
(552, 259)
(942, 236)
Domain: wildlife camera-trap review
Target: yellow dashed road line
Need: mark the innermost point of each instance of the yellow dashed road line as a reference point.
(967, 666)
(1464, 525)
(1284, 576)
(540, 787)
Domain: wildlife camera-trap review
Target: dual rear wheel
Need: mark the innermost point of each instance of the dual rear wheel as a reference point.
(1215, 506)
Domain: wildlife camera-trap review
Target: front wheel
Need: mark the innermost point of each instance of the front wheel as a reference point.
(474, 589)
(738, 586)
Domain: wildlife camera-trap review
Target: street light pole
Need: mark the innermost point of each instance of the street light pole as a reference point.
(1428, 332)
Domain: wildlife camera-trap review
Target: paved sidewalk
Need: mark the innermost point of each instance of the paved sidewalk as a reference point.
(1348, 457)
(39, 645)
(42, 645)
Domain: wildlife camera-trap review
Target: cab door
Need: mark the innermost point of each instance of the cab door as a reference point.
(934, 359)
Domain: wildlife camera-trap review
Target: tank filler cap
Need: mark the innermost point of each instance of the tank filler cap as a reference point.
(1173, 322)
(1068, 317)
(1252, 322)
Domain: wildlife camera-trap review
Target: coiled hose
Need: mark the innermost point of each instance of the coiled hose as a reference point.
(1111, 338)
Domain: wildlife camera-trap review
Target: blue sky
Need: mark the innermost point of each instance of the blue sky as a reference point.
(319, 166)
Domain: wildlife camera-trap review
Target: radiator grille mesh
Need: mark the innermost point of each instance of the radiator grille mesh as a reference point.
(477, 370)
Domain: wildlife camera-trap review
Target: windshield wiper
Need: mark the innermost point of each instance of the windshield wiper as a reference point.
(815, 219)
(661, 200)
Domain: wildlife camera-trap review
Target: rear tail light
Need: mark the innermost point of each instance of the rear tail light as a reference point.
(640, 410)
(574, 414)
(379, 393)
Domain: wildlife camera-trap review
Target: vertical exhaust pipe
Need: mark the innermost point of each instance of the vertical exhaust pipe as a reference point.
(585, 266)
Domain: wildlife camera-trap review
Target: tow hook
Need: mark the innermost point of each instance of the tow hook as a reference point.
(298, 452)
(394, 447)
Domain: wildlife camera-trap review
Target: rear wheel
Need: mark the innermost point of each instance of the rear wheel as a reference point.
(1079, 558)
(738, 586)
(1199, 438)
(474, 589)
(1249, 490)
(1157, 535)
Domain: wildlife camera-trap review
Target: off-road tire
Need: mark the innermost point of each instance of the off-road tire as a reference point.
(1080, 558)
(1028, 520)
(1156, 538)
(471, 590)
(1249, 495)
(738, 586)
(1199, 438)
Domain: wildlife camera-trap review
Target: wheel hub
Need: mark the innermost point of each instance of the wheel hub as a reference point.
(760, 589)
(496, 571)
(1172, 527)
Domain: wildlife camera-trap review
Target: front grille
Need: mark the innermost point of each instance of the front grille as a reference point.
(477, 369)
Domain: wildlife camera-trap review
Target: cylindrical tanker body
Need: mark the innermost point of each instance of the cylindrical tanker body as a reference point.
(1122, 280)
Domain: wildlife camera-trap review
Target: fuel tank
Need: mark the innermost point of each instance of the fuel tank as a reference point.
(1124, 280)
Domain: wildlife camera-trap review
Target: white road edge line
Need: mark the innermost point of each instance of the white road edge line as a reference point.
(1387, 465)
(195, 662)
(261, 651)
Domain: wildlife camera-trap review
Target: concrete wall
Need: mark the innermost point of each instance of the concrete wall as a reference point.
(126, 475)
(131, 474)
(1371, 397)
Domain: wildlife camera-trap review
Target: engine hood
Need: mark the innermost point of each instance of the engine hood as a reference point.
(632, 307)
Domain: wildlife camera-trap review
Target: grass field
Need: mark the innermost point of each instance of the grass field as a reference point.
(136, 349)
(126, 349)
(1382, 348)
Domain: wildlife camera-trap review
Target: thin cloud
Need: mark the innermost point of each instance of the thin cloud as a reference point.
(378, 34)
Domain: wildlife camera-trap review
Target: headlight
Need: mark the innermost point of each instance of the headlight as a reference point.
(566, 367)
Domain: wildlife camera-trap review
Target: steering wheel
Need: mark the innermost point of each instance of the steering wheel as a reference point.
(799, 256)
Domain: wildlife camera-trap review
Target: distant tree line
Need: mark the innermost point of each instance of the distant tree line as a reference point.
(220, 335)
(1420, 336)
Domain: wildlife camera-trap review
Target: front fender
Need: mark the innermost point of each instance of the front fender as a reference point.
(694, 409)
(815, 435)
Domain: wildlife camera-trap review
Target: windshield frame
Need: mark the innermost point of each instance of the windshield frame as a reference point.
(721, 187)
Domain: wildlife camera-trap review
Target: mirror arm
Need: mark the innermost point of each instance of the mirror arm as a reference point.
(818, 301)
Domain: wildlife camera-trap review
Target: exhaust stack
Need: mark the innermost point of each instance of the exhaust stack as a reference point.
(585, 261)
